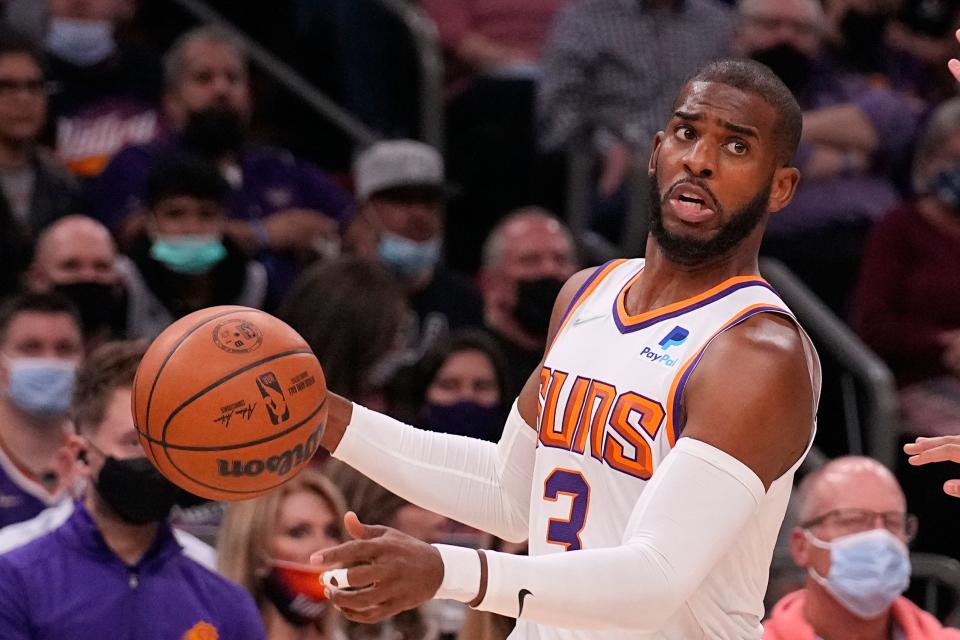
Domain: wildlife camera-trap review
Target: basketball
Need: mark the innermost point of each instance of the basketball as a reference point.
(229, 402)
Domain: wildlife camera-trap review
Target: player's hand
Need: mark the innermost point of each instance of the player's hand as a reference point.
(388, 571)
(954, 64)
(941, 449)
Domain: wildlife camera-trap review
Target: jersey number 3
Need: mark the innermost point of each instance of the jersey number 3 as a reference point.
(568, 483)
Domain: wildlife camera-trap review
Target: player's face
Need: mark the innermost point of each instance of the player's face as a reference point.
(466, 376)
(714, 174)
(305, 523)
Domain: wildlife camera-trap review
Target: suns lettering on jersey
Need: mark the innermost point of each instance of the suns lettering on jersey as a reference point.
(620, 426)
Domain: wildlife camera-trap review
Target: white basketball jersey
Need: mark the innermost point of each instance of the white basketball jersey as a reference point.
(611, 408)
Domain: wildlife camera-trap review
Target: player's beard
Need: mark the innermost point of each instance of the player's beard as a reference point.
(690, 250)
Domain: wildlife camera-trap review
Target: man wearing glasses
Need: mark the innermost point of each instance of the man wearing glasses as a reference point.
(852, 540)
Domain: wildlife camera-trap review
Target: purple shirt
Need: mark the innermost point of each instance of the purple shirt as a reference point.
(846, 199)
(273, 180)
(20, 498)
(68, 584)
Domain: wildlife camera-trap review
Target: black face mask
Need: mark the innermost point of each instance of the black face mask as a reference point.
(135, 490)
(214, 132)
(101, 306)
(863, 38)
(789, 63)
(535, 300)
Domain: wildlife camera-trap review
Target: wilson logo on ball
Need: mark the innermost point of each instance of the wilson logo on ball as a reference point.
(278, 464)
(273, 397)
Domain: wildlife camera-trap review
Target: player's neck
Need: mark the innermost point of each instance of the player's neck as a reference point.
(28, 443)
(831, 621)
(127, 541)
(664, 281)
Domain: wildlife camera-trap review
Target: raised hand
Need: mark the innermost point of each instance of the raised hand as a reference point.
(954, 64)
(940, 449)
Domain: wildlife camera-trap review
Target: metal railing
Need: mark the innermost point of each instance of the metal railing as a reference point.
(423, 33)
(876, 431)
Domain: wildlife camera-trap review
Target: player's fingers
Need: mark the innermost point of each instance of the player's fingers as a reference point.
(943, 453)
(923, 444)
(347, 554)
(952, 488)
(360, 531)
(357, 577)
(362, 599)
(954, 66)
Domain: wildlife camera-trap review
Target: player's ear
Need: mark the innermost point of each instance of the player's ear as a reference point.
(655, 153)
(782, 188)
(800, 548)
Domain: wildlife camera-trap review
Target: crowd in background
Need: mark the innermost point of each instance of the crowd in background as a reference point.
(147, 170)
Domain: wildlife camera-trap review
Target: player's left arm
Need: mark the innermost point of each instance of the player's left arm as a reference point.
(750, 407)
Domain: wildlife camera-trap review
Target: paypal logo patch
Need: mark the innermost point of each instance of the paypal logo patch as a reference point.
(677, 336)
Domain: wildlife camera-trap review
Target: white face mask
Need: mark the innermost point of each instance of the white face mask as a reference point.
(868, 570)
(81, 42)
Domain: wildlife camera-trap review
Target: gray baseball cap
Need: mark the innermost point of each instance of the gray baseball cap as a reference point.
(397, 163)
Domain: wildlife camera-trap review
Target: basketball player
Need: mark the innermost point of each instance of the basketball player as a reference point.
(650, 458)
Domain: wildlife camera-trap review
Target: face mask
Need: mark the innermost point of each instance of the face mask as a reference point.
(41, 387)
(406, 257)
(81, 42)
(790, 64)
(863, 38)
(296, 591)
(868, 571)
(189, 255)
(135, 490)
(214, 132)
(945, 187)
(535, 300)
(466, 419)
(99, 304)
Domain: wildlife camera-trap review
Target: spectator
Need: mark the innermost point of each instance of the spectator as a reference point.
(183, 260)
(375, 505)
(526, 260)
(34, 189)
(611, 69)
(852, 540)
(493, 54)
(459, 388)
(280, 207)
(115, 568)
(354, 315)
(76, 257)
(855, 138)
(401, 193)
(41, 344)
(109, 87)
(907, 311)
(920, 40)
(265, 546)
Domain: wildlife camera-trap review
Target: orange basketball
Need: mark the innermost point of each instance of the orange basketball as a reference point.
(229, 403)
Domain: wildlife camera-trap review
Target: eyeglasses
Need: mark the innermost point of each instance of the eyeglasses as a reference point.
(34, 87)
(858, 520)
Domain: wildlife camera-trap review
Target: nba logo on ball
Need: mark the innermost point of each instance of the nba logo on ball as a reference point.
(233, 417)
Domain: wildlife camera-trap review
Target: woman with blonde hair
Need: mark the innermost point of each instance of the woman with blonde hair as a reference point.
(265, 544)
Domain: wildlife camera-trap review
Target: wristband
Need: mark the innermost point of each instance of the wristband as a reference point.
(461, 573)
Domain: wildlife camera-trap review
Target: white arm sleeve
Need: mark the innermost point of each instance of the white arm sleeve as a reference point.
(687, 518)
(481, 484)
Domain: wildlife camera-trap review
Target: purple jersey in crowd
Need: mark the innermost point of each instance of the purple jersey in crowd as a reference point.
(271, 180)
(70, 585)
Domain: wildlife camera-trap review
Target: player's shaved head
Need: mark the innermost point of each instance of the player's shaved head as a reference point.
(841, 481)
(752, 77)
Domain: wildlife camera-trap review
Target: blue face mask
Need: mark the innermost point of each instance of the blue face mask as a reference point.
(945, 187)
(406, 257)
(41, 387)
(190, 255)
(81, 42)
(868, 571)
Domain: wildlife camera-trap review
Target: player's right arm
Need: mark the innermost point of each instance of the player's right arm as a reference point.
(481, 484)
